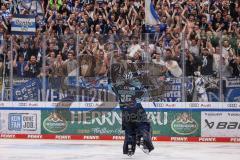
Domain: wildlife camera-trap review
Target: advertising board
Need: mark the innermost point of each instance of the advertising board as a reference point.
(167, 123)
(16, 122)
(220, 124)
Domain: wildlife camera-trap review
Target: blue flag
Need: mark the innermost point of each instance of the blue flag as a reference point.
(27, 91)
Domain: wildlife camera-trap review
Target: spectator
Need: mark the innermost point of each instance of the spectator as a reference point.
(71, 64)
(158, 60)
(58, 72)
(207, 62)
(50, 60)
(19, 66)
(192, 63)
(226, 49)
(194, 47)
(225, 68)
(101, 64)
(87, 65)
(25, 50)
(33, 67)
(235, 64)
(58, 67)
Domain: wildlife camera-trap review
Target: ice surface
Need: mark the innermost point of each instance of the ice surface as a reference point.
(112, 150)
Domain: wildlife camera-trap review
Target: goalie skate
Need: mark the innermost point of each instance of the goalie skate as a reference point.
(144, 146)
(130, 150)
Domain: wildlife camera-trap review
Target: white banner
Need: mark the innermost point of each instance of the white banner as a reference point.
(220, 124)
(23, 24)
(20, 122)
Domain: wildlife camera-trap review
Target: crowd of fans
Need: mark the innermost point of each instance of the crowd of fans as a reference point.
(85, 34)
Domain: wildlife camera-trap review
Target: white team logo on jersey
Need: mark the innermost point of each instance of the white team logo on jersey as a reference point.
(128, 75)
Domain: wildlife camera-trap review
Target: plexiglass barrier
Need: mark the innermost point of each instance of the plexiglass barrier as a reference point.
(166, 67)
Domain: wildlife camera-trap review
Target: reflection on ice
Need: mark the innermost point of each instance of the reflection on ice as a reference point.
(108, 150)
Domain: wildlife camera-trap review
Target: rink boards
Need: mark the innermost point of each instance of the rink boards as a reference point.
(184, 122)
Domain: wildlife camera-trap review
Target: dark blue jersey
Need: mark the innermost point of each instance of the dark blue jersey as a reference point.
(128, 94)
(125, 84)
(135, 82)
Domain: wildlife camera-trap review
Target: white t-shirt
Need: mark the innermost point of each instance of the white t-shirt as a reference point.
(194, 50)
(160, 62)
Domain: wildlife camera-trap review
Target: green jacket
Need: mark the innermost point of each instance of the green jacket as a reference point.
(59, 3)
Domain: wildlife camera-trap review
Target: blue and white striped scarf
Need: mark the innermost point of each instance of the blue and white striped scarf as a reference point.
(34, 6)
